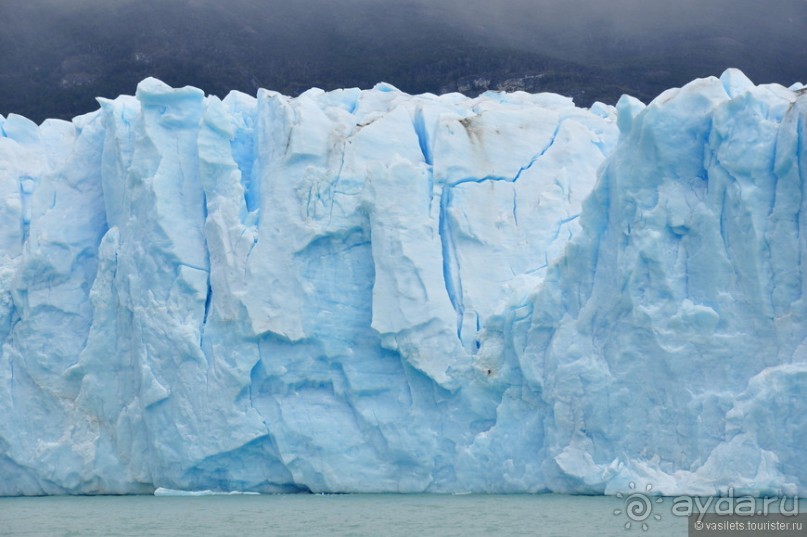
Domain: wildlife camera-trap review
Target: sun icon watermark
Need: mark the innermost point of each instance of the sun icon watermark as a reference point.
(639, 507)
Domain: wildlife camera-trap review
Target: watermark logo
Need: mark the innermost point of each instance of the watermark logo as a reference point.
(729, 505)
(639, 507)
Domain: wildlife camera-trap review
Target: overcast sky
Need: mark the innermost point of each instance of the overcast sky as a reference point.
(563, 27)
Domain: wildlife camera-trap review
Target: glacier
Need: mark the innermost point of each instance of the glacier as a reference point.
(369, 291)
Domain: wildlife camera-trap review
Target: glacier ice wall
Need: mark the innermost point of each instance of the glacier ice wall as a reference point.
(372, 291)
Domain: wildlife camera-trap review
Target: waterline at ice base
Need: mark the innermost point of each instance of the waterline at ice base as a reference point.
(369, 291)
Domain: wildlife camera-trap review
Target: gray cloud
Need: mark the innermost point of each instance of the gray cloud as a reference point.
(68, 51)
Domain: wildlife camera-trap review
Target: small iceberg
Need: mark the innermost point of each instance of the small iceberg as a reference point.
(172, 492)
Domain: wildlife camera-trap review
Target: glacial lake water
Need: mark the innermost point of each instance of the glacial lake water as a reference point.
(350, 515)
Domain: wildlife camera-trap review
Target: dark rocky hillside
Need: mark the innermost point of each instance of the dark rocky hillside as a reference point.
(56, 56)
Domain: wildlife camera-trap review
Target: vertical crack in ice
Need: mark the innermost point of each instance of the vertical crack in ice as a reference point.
(422, 133)
(208, 299)
(333, 187)
(249, 252)
(725, 201)
(801, 167)
(26, 188)
(11, 389)
(424, 143)
(776, 213)
(254, 373)
(14, 318)
(451, 275)
(775, 180)
(209, 295)
(242, 149)
(477, 342)
(540, 154)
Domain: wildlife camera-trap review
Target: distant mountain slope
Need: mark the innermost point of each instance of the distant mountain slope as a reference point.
(55, 57)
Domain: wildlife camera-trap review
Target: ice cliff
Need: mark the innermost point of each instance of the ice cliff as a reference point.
(372, 291)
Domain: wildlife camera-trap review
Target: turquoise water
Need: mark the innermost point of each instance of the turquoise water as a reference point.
(356, 515)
